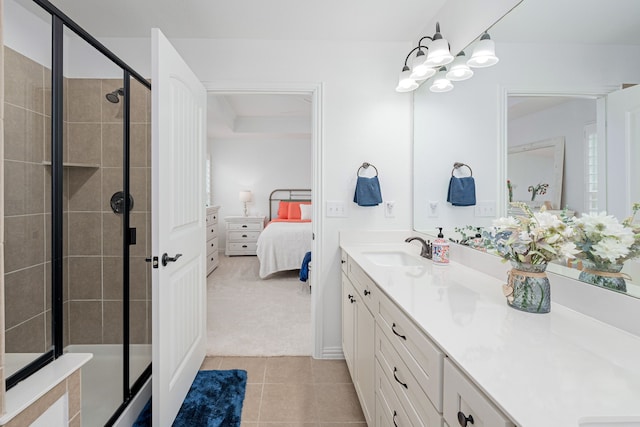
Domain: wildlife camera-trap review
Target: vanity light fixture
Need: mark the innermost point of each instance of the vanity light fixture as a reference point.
(424, 66)
(484, 54)
(441, 82)
(459, 70)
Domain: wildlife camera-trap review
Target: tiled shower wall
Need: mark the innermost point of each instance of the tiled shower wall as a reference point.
(93, 255)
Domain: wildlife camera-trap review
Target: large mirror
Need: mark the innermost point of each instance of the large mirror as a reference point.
(559, 75)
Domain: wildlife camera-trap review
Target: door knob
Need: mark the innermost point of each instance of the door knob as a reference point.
(167, 259)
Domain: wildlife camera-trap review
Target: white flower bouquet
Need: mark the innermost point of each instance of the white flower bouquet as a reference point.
(535, 238)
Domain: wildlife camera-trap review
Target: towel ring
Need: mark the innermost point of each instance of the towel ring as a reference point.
(458, 165)
(365, 165)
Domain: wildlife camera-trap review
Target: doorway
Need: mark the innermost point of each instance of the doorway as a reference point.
(309, 98)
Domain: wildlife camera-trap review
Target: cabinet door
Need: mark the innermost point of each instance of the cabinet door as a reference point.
(348, 322)
(463, 399)
(365, 359)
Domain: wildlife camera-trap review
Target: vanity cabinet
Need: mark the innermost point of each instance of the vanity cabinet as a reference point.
(212, 238)
(398, 368)
(358, 335)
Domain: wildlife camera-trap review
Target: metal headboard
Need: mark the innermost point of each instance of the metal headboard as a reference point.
(287, 195)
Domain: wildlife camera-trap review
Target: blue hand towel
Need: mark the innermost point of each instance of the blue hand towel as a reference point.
(304, 269)
(367, 191)
(462, 191)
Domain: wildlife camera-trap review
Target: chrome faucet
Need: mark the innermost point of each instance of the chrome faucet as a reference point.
(425, 252)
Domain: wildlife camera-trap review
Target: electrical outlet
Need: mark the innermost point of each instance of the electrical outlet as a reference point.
(336, 209)
(432, 208)
(485, 208)
(390, 209)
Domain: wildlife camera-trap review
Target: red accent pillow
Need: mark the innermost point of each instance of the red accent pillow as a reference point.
(294, 209)
(283, 210)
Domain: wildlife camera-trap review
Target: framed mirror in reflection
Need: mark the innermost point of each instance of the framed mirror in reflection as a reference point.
(563, 90)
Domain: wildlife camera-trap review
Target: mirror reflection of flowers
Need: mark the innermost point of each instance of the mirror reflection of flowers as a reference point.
(604, 240)
(535, 238)
(538, 189)
(510, 190)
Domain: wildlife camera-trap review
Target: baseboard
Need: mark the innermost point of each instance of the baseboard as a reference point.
(332, 353)
(130, 414)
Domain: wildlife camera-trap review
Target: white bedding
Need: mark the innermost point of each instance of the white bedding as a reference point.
(282, 245)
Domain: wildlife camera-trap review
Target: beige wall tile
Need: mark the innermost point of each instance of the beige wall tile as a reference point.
(113, 322)
(24, 241)
(138, 188)
(25, 290)
(138, 102)
(23, 188)
(138, 145)
(84, 99)
(138, 278)
(46, 84)
(28, 337)
(85, 278)
(138, 322)
(85, 322)
(84, 231)
(112, 113)
(74, 388)
(112, 182)
(112, 145)
(24, 79)
(85, 189)
(84, 143)
(112, 277)
(24, 134)
(112, 234)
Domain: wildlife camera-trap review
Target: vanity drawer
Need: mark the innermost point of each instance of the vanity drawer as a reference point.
(212, 219)
(461, 395)
(363, 284)
(212, 245)
(404, 384)
(212, 261)
(389, 411)
(420, 355)
(344, 261)
(243, 236)
(244, 226)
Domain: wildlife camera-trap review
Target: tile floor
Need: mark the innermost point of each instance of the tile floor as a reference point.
(296, 391)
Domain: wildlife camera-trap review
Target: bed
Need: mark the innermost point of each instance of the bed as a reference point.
(287, 237)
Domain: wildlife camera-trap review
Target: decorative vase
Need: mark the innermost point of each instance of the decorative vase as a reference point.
(528, 288)
(606, 275)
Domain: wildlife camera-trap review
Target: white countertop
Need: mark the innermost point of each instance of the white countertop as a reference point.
(542, 370)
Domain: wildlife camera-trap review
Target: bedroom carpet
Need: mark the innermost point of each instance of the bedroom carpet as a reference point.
(249, 316)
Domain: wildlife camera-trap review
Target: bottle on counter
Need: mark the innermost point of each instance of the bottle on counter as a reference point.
(478, 242)
(440, 251)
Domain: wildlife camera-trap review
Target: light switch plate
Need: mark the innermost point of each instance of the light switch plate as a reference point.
(336, 209)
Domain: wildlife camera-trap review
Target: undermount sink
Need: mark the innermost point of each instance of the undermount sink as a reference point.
(393, 259)
(609, 422)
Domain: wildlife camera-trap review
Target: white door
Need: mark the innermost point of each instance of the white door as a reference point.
(623, 142)
(178, 227)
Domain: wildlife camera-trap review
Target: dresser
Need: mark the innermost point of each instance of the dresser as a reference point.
(242, 234)
(212, 238)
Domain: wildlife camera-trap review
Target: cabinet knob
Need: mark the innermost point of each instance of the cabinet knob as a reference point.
(393, 328)
(351, 298)
(463, 419)
(366, 292)
(342, 261)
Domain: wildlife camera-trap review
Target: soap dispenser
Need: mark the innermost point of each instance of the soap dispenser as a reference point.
(440, 251)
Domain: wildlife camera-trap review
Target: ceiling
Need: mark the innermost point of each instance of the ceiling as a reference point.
(352, 20)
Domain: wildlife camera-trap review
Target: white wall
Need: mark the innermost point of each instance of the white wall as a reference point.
(258, 165)
(567, 120)
(466, 124)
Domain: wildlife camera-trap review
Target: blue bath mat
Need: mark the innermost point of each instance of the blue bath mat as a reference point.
(214, 400)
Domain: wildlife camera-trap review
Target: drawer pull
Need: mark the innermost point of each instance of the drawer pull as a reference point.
(366, 292)
(351, 298)
(393, 328)
(342, 261)
(405, 386)
(212, 230)
(244, 246)
(244, 235)
(395, 414)
(244, 226)
(463, 420)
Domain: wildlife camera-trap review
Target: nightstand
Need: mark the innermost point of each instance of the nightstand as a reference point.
(242, 234)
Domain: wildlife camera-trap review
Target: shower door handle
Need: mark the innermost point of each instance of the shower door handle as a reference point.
(167, 259)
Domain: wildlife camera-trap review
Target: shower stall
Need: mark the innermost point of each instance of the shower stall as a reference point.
(77, 208)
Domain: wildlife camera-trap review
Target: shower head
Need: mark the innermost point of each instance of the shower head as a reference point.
(113, 96)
